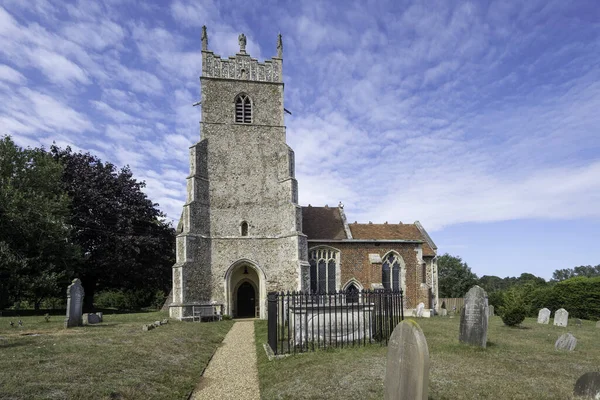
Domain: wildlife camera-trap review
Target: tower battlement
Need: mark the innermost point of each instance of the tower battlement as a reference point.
(241, 66)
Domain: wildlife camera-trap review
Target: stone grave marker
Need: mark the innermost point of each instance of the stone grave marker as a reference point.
(491, 311)
(578, 323)
(420, 308)
(75, 295)
(100, 316)
(91, 318)
(561, 317)
(566, 342)
(443, 312)
(598, 324)
(588, 386)
(474, 318)
(407, 366)
(543, 316)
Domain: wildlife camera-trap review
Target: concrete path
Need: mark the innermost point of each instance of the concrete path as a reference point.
(232, 372)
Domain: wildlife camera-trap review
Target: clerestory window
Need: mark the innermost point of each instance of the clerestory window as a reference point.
(243, 109)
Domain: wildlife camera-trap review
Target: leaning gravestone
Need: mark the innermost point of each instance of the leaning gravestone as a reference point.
(543, 316)
(474, 318)
(407, 367)
(588, 386)
(75, 295)
(561, 317)
(420, 308)
(566, 342)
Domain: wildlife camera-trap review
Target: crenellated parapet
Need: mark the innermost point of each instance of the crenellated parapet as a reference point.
(241, 66)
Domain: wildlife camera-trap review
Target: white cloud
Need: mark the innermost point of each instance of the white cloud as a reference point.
(8, 74)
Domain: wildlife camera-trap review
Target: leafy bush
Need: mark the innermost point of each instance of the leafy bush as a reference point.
(514, 310)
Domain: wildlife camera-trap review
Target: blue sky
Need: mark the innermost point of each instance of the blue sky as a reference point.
(479, 119)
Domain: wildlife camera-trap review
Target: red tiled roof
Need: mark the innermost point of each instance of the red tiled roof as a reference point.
(323, 223)
(390, 232)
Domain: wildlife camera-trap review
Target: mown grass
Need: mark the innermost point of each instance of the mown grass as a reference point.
(111, 360)
(519, 363)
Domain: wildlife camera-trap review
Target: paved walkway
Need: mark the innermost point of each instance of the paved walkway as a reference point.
(232, 373)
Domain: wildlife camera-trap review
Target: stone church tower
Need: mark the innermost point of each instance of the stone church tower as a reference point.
(240, 234)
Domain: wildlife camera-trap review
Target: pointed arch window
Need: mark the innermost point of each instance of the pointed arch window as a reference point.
(323, 270)
(390, 272)
(352, 293)
(243, 109)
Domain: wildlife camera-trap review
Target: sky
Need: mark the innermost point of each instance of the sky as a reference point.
(479, 119)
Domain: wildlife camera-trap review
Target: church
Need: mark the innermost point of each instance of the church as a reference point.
(242, 233)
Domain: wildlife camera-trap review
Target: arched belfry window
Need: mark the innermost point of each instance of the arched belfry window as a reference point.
(243, 109)
(391, 272)
(244, 228)
(323, 269)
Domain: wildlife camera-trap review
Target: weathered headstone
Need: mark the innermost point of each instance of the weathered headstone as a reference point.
(561, 317)
(474, 318)
(420, 308)
(407, 367)
(566, 342)
(578, 323)
(93, 319)
(598, 324)
(543, 316)
(75, 295)
(491, 311)
(443, 312)
(100, 316)
(588, 386)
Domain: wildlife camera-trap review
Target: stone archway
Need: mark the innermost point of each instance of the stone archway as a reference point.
(245, 290)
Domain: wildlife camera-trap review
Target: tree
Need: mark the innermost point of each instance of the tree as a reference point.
(582, 270)
(35, 257)
(124, 239)
(454, 276)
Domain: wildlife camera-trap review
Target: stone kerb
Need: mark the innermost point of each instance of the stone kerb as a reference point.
(543, 316)
(561, 317)
(407, 366)
(75, 295)
(474, 318)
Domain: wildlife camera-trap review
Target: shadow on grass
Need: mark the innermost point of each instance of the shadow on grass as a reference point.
(16, 343)
(58, 311)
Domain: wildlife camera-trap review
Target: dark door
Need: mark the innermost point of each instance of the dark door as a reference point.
(245, 300)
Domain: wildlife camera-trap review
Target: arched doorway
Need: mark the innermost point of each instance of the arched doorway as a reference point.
(246, 300)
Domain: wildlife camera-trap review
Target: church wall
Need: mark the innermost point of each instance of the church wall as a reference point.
(354, 263)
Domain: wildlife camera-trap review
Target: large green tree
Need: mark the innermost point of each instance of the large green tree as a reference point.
(35, 253)
(122, 234)
(582, 270)
(454, 276)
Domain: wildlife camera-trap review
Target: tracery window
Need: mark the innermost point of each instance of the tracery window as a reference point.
(243, 109)
(390, 272)
(323, 267)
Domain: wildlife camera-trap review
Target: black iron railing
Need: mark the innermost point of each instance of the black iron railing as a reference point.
(302, 321)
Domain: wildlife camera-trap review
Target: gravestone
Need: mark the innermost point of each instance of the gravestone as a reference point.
(407, 366)
(490, 311)
(561, 317)
(598, 324)
(91, 318)
(100, 316)
(420, 308)
(588, 386)
(75, 295)
(566, 342)
(578, 323)
(474, 318)
(443, 312)
(543, 316)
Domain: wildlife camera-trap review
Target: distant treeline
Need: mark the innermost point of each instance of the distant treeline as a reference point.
(575, 289)
(66, 215)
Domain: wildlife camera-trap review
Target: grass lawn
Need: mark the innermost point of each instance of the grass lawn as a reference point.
(519, 363)
(111, 360)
